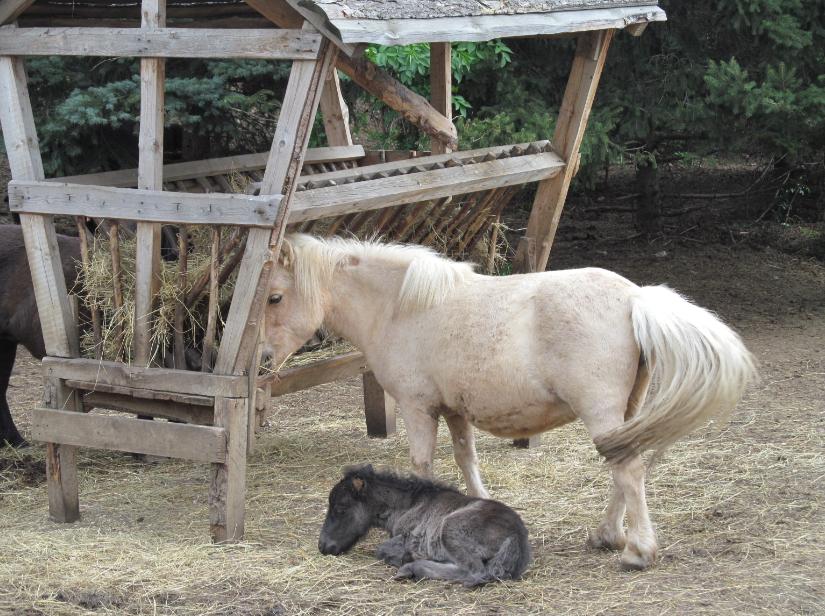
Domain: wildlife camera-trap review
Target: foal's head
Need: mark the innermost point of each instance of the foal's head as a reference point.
(294, 309)
(350, 515)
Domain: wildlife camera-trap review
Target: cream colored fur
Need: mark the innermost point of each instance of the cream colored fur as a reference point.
(518, 355)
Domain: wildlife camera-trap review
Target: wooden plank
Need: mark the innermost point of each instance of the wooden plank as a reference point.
(405, 163)
(386, 192)
(228, 480)
(150, 177)
(171, 440)
(267, 44)
(38, 231)
(441, 82)
(143, 205)
(190, 413)
(11, 9)
(334, 112)
(379, 408)
(136, 377)
(534, 250)
(149, 395)
(329, 370)
(128, 178)
(320, 23)
(285, 162)
(488, 27)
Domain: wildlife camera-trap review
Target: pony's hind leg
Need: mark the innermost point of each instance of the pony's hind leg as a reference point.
(430, 569)
(422, 430)
(464, 450)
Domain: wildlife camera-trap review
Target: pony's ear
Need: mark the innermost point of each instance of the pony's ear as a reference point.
(286, 258)
(358, 484)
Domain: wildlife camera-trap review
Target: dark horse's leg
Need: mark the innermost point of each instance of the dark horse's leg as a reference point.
(8, 432)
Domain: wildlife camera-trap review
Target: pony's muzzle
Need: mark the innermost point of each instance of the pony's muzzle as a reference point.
(329, 548)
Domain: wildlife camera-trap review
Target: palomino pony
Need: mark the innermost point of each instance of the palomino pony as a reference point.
(516, 356)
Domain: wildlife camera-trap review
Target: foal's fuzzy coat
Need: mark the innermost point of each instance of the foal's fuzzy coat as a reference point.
(435, 531)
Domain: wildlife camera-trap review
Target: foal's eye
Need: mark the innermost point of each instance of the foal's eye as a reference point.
(275, 298)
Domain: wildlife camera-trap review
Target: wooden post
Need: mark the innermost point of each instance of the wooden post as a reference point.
(379, 407)
(441, 81)
(150, 177)
(334, 112)
(534, 248)
(228, 482)
(61, 464)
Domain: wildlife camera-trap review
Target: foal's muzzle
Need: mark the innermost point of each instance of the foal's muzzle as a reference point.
(329, 548)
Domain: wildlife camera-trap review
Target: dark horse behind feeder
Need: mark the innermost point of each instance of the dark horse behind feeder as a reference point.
(435, 531)
(19, 319)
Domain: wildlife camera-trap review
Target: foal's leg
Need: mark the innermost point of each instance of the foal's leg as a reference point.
(394, 551)
(422, 429)
(430, 569)
(464, 450)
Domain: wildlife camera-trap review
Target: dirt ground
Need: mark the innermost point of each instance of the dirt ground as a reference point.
(739, 512)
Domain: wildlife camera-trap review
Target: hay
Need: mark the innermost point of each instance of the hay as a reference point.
(96, 293)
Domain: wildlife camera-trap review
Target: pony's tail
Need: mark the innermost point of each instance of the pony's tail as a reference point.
(508, 563)
(699, 369)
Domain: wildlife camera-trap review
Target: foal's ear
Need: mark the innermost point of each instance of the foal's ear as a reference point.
(358, 484)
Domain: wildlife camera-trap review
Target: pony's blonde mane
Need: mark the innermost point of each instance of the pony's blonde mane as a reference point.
(428, 281)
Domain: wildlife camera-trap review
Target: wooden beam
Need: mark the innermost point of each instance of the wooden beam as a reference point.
(150, 177)
(386, 192)
(136, 393)
(143, 205)
(285, 163)
(533, 251)
(267, 44)
(379, 408)
(319, 22)
(139, 378)
(334, 112)
(323, 371)
(61, 459)
(38, 231)
(189, 413)
(228, 480)
(128, 178)
(441, 81)
(11, 9)
(414, 107)
(171, 440)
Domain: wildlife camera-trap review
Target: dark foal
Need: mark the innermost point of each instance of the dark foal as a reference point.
(19, 320)
(435, 531)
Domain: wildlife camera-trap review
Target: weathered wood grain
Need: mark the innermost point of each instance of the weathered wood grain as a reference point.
(228, 480)
(171, 440)
(323, 371)
(441, 81)
(143, 205)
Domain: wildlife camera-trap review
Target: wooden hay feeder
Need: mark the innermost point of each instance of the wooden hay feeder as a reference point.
(404, 197)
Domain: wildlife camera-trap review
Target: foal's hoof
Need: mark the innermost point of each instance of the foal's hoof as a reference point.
(601, 539)
(633, 560)
(405, 572)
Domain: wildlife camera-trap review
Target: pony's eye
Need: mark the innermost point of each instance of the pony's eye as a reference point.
(275, 298)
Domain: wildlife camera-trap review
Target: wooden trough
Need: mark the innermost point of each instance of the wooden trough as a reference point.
(447, 195)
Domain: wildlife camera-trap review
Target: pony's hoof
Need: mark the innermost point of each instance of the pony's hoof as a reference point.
(600, 539)
(405, 572)
(633, 560)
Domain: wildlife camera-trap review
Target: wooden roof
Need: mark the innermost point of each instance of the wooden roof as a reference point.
(400, 22)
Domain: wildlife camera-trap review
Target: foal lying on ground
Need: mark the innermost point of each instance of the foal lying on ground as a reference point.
(435, 531)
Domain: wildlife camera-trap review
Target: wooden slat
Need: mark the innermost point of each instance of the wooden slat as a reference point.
(335, 113)
(195, 414)
(299, 378)
(533, 251)
(441, 79)
(127, 178)
(137, 393)
(158, 379)
(228, 480)
(171, 440)
(386, 192)
(38, 231)
(150, 177)
(11, 9)
(143, 205)
(269, 44)
(285, 162)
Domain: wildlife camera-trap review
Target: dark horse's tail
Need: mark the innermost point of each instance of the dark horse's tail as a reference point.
(509, 563)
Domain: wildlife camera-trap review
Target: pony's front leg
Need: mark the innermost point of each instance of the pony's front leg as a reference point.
(464, 450)
(422, 429)
(610, 533)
